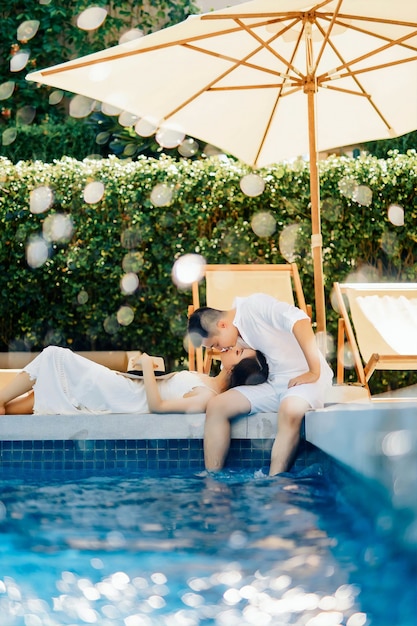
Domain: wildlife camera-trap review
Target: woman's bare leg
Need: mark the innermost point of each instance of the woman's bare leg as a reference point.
(19, 385)
(23, 405)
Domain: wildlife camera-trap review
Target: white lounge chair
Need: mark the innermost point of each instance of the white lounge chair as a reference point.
(380, 327)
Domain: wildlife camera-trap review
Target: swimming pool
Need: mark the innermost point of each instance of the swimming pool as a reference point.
(192, 549)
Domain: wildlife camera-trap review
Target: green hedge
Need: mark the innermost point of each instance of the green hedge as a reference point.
(73, 298)
(46, 142)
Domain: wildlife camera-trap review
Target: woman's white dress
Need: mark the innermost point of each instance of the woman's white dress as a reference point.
(67, 383)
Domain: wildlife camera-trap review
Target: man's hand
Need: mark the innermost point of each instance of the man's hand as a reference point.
(303, 379)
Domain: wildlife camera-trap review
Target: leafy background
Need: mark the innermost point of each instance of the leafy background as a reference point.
(74, 297)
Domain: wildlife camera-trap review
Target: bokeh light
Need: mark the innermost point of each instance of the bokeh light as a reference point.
(396, 214)
(130, 238)
(111, 325)
(362, 195)
(82, 297)
(93, 192)
(325, 343)
(130, 35)
(397, 443)
(345, 356)
(263, 224)
(56, 96)
(288, 242)
(40, 199)
(252, 185)
(37, 251)
(58, 227)
(389, 244)
(170, 136)
(188, 269)
(19, 60)
(28, 29)
(188, 148)
(99, 73)
(331, 209)
(212, 151)
(80, 106)
(347, 187)
(127, 119)
(8, 136)
(129, 283)
(364, 274)
(133, 262)
(146, 126)
(109, 109)
(7, 89)
(125, 315)
(25, 115)
(161, 195)
(91, 18)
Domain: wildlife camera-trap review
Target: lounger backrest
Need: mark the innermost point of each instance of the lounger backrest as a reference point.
(384, 316)
(222, 286)
(223, 283)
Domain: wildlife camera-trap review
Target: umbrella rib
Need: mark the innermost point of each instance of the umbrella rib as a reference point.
(224, 57)
(348, 91)
(266, 44)
(371, 68)
(347, 64)
(244, 87)
(363, 18)
(326, 36)
(237, 63)
(280, 94)
(380, 36)
(128, 53)
(362, 91)
(270, 15)
(209, 86)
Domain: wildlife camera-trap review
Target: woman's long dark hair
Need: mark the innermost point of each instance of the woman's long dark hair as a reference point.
(250, 371)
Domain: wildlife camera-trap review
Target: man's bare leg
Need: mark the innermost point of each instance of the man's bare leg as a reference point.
(290, 414)
(19, 385)
(220, 410)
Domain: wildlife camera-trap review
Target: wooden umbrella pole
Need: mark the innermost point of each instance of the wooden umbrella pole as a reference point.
(316, 238)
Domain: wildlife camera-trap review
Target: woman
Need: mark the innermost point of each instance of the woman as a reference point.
(61, 382)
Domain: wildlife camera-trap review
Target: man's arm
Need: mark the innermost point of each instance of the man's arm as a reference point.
(304, 334)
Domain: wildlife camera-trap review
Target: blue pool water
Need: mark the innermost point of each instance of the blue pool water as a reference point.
(235, 549)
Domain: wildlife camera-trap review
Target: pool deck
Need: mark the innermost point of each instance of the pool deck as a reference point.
(374, 439)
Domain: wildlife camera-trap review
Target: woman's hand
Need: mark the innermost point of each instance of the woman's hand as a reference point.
(139, 362)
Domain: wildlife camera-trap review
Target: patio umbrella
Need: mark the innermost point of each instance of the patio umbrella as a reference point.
(268, 80)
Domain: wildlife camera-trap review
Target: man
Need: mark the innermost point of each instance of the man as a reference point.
(299, 376)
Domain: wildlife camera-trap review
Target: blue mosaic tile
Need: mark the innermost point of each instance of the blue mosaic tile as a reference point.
(92, 456)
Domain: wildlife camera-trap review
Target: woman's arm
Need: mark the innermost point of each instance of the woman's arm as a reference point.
(193, 402)
(304, 334)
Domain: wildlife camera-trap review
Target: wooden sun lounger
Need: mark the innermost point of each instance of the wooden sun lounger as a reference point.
(379, 322)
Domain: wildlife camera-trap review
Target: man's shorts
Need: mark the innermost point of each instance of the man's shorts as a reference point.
(267, 397)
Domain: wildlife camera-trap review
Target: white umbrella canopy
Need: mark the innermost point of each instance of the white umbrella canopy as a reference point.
(267, 80)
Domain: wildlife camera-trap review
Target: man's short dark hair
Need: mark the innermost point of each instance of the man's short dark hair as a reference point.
(200, 324)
